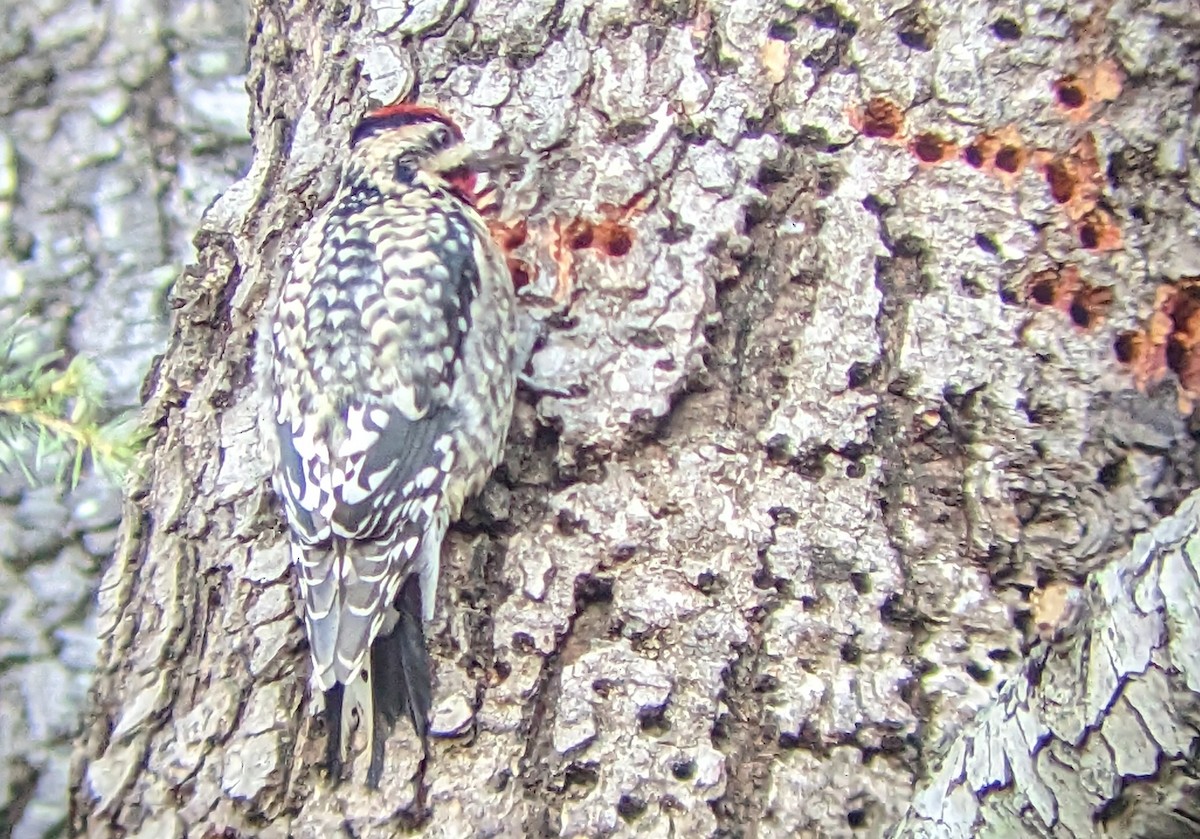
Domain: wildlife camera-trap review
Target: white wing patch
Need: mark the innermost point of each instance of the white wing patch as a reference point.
(362, 430)
(316, 493)
(444, 445)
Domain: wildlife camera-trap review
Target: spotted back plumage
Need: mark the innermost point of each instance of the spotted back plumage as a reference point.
(393, 373)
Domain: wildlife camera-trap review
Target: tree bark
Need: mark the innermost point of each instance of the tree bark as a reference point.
(1098, 732)
(119, 124)
(827, 387)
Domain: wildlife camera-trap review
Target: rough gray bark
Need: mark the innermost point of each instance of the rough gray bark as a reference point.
(813, 436)
(1098, 735)
(119, 123)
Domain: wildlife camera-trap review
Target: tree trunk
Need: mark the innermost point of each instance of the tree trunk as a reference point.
(1099, 730)
(835, 302)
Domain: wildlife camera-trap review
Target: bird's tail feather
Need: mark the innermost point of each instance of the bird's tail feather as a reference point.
(394, 679)
(348, 711)
(402, 681)
(333, 729)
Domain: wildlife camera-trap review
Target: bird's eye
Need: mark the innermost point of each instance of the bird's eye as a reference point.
(441, 137)
(406, 169)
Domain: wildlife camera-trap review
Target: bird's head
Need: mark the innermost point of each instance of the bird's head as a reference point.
(406, 144)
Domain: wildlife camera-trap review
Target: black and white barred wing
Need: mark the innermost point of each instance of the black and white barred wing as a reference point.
(362, 471)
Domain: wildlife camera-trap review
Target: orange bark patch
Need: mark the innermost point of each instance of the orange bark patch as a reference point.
(613, 238)
(1076, 183)
(774, 57)
(510, 237)
(1061, 180)
(578, 234)
(1057, 610)
(880, 118)
(611, 235)
(1089, 306)
(1064, 289)
(1069, 93)
(1098, 231)
(1002, 153)
(1169, 342)
(1079, 95)
(932, 149)
(520, 272)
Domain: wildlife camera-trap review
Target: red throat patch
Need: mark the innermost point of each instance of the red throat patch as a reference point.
(462, 183)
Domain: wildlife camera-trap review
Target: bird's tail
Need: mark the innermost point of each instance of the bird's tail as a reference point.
(335, 751)
(395, 679)
(400, 667)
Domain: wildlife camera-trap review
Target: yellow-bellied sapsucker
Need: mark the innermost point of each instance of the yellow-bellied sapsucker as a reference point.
(392, 369)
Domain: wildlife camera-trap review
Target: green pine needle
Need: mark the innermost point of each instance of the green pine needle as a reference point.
(50, 416)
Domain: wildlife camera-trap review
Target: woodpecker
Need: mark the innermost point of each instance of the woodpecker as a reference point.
(392, 370)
